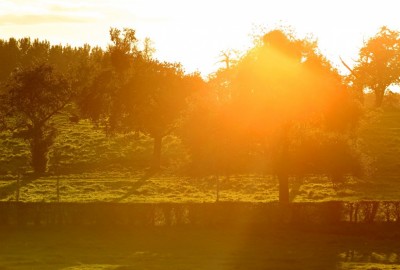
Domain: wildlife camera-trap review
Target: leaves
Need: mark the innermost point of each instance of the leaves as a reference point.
(34, 95)
(379, 63)
(281, 109)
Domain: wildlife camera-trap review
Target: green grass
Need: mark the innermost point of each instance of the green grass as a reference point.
(382, 139)
(137, 187)
(167, 248)
(82, 147)
(94, 167)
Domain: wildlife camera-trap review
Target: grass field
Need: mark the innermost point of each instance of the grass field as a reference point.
(137, 187)
(94, 167)
(175, 249)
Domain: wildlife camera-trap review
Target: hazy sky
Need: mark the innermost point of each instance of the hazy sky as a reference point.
(194, 32)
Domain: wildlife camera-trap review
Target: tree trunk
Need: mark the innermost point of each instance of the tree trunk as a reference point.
(157, 152)
(283, 188)
(39, 156)
(360, 95)
(282, 165)
(379, 94)
(40, 143)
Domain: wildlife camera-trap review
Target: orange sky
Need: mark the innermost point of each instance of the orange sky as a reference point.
(194, 32)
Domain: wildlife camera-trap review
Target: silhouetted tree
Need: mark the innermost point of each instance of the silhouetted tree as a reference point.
(9, 57)
(161, 91)
(220, 82)
(76, 63)
(32, 97)
(285, 103)
(229, 58)
(285, 92)
(103, 99)
(217, 145)
(379, 63)
(148, 48)
(133, 92)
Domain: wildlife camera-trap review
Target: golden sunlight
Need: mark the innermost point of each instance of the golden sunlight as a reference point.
(209, 135)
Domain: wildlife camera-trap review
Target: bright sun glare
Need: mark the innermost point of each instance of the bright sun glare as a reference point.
(119, 157)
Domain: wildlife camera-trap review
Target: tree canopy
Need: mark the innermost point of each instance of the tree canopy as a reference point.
(133, 92)
(280, 108)
(285, 105)
(33, 96)
(378, 66)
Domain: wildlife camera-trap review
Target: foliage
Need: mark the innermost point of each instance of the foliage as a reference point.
(216, 143)
(290, 93)
(282, 109)
(33, 97)
(136, 93)
(378, 66)
(24, 52)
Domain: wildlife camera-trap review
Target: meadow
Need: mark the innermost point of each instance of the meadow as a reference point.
(261, 165)
(91, 166)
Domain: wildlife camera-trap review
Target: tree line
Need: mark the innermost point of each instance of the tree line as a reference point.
(281, 108)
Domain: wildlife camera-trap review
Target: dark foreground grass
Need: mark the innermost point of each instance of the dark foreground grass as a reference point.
(177, 248)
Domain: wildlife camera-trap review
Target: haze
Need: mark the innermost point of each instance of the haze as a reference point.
(194, 32)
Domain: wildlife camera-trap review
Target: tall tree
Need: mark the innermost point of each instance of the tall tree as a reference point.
(379, 63)
(285, 104)
(160, 96)
(74, 62)
(9, 57)
(134, 92)
(33, 96)
(217, 144)
(287, 91)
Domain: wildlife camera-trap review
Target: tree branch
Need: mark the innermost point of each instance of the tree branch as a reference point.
(344, 64)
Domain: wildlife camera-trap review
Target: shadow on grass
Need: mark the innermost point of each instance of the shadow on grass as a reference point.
(133, 189)
(12, 187)
(295, 188)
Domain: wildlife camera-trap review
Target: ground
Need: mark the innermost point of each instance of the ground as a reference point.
(173, 248)
(93, 167)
